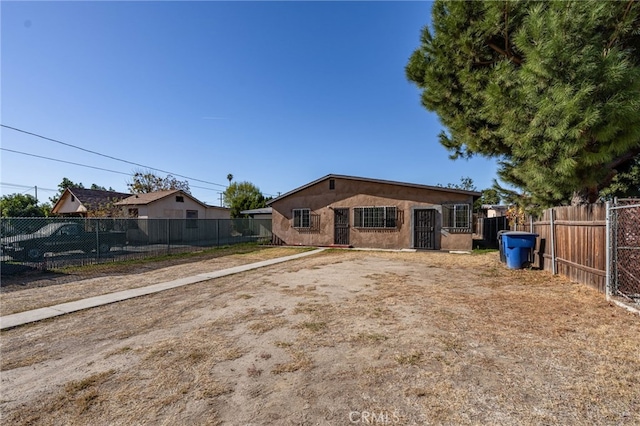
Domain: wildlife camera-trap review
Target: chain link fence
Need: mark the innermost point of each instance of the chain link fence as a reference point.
(624, 246)
(50, 243)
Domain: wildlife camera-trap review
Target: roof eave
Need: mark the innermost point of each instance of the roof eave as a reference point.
(474, 194)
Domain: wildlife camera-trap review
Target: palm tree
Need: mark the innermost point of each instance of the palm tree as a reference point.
(229, 178)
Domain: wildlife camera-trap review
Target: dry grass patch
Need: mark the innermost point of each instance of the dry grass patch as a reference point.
(244, 296)
(267, 324)
(369, 338)
(301, 290)
(9, 363)
(300, 360)
(312, 326)
(411, 358)
(77, 398)
(120, 351)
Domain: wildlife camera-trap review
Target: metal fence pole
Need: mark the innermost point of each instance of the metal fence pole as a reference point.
(97, 242)
(168, 222)
(608, 251)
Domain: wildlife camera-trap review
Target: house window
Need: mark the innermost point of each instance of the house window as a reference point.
(73, 199)
(456, 217)
(192, 218)
(301, 218)
(375, 217)
(179, 199)
(332, 184)
(133, 212)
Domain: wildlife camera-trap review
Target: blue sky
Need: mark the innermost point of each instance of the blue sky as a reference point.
(276, 93)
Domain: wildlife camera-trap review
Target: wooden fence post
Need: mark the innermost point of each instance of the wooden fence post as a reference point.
(553, 243)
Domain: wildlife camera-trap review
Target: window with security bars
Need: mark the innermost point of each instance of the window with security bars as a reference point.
(375, 217)
(302, 218)
(456, 217)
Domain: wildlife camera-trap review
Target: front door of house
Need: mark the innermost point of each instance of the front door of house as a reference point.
(341, 227)
(424, 225)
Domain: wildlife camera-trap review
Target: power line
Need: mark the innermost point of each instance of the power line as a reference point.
(64, 161)
(108, 156)
(81, 165)
(15, 185)
(25, 188)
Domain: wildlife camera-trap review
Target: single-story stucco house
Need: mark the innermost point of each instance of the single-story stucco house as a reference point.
(338, 210)
(170, 204)
(149, 212)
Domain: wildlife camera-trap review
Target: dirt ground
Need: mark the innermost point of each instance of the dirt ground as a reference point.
(338, 338)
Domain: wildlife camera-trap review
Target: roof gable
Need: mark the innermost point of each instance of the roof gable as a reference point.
(91, 199)
(380, 181)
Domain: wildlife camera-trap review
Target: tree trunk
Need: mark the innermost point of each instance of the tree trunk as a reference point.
(584, 196)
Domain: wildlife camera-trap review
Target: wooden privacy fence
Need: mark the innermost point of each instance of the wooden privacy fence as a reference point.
(572, 241)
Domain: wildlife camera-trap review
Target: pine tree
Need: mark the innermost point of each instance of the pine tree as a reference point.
(551, 89)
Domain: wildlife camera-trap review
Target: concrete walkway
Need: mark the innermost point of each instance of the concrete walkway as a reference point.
(26, 317)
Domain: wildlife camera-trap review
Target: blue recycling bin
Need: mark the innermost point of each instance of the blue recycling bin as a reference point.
(516, 247)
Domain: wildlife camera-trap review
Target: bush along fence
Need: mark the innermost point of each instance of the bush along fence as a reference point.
(48, 243)
(597, 245)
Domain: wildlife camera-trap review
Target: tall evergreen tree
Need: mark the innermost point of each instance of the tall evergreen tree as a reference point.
(551, 89)
(62, 186)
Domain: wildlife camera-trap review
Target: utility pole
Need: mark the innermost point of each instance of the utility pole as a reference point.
(36, 187)
(220, 193)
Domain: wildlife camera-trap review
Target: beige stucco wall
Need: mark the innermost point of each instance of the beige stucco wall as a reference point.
(67, 206)
(217, 213)
(169, 208)
(353, 193)
(496, 212)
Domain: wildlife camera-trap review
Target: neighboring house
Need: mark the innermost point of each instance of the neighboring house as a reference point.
(88, 202)
(493, 210)
(170, 204)
(338, 210)
(215, 212)
(264, 216)
(263, 213)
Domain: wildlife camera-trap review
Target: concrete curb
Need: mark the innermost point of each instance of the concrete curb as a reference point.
(26, 317)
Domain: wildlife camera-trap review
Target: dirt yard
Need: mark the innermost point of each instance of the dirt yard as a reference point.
(339, 338)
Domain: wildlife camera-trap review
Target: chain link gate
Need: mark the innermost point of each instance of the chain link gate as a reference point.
(623, 275)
